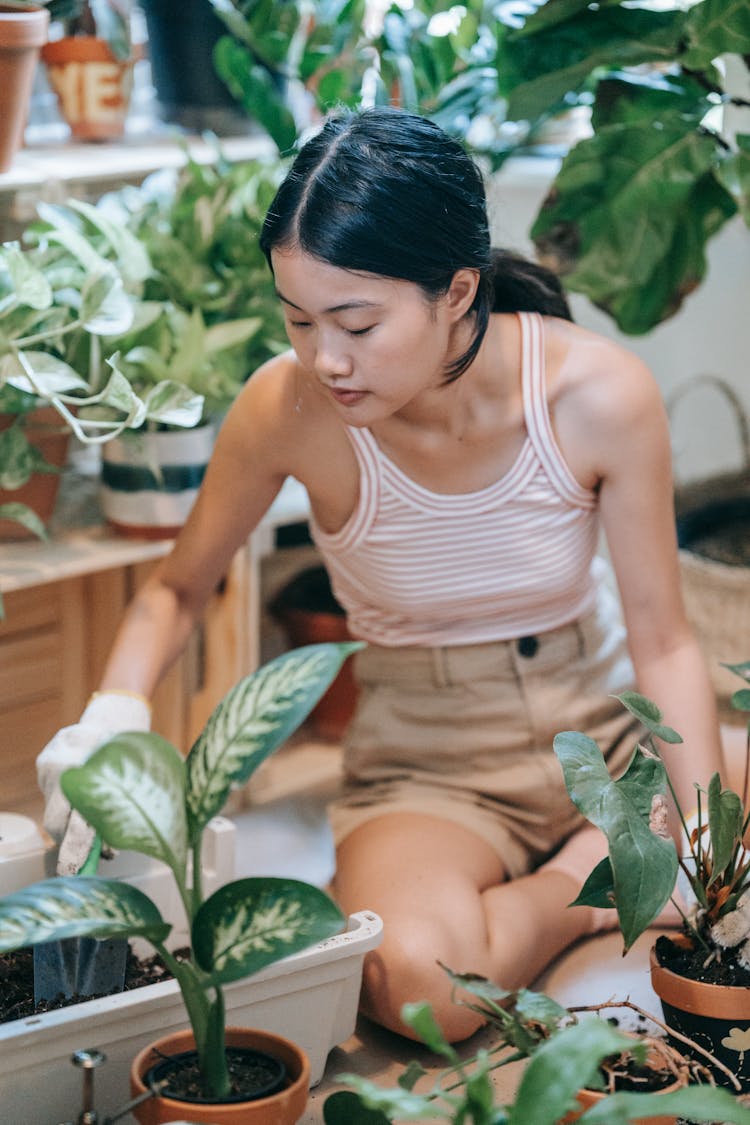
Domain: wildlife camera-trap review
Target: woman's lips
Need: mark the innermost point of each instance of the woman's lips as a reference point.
(347, 398)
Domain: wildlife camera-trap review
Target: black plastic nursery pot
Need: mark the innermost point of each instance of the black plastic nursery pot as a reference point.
(715, 1016)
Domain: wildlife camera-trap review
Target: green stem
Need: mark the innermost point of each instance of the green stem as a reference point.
(50, 334)
(213, 1057)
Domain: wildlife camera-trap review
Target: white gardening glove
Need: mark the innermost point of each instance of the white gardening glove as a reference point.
(107, 713)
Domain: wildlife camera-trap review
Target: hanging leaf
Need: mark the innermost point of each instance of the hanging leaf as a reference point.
(251, 923)
(30, 286)
(256, 716)
(77, 906)
(644, 866)
(52, 376)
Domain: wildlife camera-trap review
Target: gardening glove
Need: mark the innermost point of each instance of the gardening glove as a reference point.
(107, 713)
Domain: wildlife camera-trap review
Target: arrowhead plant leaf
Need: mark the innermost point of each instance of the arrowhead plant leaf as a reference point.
(643, 865)
(251, 923)
(77, 906)
(252, 721)
(132, 791)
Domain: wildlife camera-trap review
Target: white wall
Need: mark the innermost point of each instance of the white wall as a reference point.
(710, 334)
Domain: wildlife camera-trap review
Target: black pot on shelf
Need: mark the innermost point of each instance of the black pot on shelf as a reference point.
(181, 38)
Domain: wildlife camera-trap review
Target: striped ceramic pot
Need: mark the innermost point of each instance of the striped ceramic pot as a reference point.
(150, 481)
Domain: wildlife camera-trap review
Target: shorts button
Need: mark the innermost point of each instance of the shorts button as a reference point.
(528, 646)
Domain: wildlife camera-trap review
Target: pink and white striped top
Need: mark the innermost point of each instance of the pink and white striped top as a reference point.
(412, 566)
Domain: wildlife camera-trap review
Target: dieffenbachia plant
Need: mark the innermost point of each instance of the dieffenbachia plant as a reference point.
(140, 794)
(639, 875)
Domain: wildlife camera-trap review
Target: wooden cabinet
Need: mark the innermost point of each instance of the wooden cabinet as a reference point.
(54, 642)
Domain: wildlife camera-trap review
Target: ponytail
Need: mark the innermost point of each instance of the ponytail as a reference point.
(520, 285)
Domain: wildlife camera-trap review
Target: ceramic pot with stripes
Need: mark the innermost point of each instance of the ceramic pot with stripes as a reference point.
(150, 480)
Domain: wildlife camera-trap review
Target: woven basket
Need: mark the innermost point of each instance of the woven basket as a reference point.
(713, 530)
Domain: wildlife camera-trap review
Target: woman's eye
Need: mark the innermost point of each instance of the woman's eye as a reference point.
(360, 331)
(299, 323)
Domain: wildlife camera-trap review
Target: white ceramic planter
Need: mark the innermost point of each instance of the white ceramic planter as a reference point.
(150, 480)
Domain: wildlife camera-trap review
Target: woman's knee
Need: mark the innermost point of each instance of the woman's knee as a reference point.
(407, 968)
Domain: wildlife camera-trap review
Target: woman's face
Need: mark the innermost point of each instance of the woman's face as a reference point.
(371, 344)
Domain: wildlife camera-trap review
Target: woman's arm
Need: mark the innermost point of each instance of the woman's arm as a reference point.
(246, 471)
(620, 420)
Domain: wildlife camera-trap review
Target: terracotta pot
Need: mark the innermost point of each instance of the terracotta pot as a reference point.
(714, 1016)
(22, 33)
(150, 480)
(93, 87)
(47, 432)
(283, 1108)
(588, 1098)
(309, 614)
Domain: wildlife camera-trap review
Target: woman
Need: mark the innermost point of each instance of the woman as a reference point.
(461, 442)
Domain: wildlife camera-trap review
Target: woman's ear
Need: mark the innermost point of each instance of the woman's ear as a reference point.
(461, 292)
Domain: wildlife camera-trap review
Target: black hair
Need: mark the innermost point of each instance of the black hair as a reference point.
(389, 193)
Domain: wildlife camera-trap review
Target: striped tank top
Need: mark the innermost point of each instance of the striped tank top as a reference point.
(412, 566)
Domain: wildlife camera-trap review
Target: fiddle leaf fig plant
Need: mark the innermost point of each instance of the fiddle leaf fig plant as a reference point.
(140, 794)
(659, 169)
(639, 875)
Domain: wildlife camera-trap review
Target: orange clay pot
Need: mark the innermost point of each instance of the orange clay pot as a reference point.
(46, 430)
(283, 1108)
(93, 87)
(22, 33)
(715, 1016)
(588, 1098)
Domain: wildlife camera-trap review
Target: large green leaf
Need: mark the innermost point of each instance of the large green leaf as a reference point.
(345, 1108)
(251, 923)
(52, 376)
(174, 404)
(252, 720)
(560, 1067)
(644, 866)
(695, 1104)
(628, 216)
(77, 906)
(734, 174)
(537, 69)
(716, 27)
(132, 791)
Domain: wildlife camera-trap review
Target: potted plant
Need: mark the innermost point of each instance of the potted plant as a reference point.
(141, 795)
(660, 167)
(569, 1058)
(703, 978)
(90, 67)
(145, 312)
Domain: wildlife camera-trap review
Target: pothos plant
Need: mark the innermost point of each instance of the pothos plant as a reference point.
(147, 310)
(140, 794)
(565, 1054)
(640, 874)
(630, 212)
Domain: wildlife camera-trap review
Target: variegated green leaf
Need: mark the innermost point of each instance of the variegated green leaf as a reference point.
(251, 923)
(174, 404)
(132, 791)
(256, 716)
(51, 375)
(30, 286)
(26, 516)
(77, 906)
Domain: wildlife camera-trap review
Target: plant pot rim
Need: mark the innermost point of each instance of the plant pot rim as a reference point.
(292, 1098)
(720, 1001)
(23, 28)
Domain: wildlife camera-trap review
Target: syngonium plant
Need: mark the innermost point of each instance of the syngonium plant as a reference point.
(139, 794)
(631, 210)
(564, 1053)
(640, 873)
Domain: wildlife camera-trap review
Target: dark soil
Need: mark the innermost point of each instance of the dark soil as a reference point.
(252, 1074)
(17, 983)
(690, 963)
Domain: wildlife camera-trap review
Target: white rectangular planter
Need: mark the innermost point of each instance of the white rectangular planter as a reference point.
(310, 997)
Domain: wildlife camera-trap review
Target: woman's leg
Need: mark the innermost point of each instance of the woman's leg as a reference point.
(440, 891)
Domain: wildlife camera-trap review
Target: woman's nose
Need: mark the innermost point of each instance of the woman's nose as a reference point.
(332, 362)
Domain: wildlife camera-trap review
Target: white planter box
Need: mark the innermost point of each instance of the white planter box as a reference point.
(311, 997)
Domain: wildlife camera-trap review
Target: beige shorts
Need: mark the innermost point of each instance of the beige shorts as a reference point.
(465, 733)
